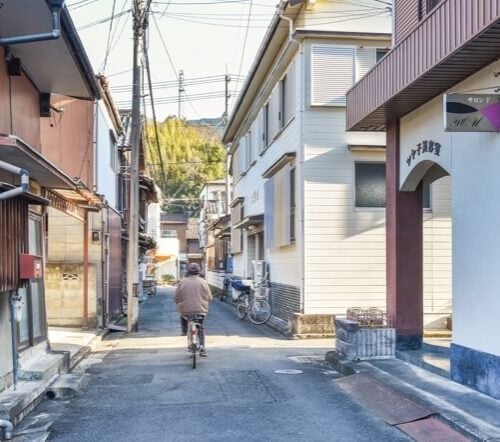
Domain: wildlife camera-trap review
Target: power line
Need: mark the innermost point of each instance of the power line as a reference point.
(245, 38)
(108, 45)
(103, 20)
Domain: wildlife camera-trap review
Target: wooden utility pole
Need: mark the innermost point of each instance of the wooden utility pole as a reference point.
(133, 225)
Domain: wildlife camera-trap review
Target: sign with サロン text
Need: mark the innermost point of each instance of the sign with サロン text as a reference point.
(472, 112)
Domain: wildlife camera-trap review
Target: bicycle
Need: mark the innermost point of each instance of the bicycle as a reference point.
(258, 308)
(193, 337)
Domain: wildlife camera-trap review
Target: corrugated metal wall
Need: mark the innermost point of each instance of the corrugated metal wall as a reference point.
(406, 17)
(13, 240)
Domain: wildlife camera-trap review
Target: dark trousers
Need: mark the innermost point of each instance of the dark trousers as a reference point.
(201, 329)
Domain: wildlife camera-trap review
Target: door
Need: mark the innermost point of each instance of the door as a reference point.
(31, 327)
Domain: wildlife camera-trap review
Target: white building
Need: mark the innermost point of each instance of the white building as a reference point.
(308, 197)
(214, 232)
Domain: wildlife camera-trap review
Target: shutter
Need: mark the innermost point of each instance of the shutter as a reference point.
(269, 213)
(332, 74)
(249, 148)
(365, 60)
(243, 154)
(236, 164)
(290, 94)
(236, 233)
(256, 137)
(277, 194)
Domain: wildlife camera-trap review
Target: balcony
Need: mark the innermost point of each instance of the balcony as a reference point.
(457, 39)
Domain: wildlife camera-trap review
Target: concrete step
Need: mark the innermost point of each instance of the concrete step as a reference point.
(43, 367)
(435, 362)
(67, 385)
(463, 408)
(15, 404)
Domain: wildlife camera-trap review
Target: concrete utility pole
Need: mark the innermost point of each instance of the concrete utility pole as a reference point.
(133, 226)
(181, 90)
(225, 117)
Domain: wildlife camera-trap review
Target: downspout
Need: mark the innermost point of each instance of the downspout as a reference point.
(25, 181)
(55, 10)
(13, 299)
(7, 429)
(86, 270)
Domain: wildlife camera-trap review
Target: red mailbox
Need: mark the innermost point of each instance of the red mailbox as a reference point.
(30, 266)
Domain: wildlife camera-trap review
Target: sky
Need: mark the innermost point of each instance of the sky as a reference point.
(204, 38)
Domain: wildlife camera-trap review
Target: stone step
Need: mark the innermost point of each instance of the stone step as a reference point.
(437, 363)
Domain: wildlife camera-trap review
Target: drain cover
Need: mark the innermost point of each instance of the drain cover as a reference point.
(288, 371)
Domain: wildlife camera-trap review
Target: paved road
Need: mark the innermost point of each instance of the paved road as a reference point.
(142, 388)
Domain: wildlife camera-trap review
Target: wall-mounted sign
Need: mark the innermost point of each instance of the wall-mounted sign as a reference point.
(426, 146)
(472, 112)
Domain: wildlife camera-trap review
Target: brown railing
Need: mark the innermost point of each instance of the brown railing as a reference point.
(442, 46)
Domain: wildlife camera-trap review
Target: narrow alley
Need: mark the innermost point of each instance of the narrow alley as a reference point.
(142, 388)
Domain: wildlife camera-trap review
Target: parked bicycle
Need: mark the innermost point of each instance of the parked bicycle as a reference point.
(193, 336)
(254, 304)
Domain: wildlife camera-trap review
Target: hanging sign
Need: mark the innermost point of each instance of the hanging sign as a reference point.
(472, 112)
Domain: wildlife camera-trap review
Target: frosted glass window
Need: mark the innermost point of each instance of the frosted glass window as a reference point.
(370, 185)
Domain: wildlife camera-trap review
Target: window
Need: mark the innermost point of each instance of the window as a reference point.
(380, 53)
(168, 233)
(265, 126)
(283, 103)
(370, 186)
(431, 4)
(112, 151)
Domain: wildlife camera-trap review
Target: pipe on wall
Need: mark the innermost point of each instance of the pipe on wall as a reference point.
(25, 180)
(13, 299)
(7, 428)
(86, 270)
(56, 6)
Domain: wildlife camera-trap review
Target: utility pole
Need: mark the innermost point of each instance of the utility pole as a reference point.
(181, 90)
(133, 225)
(225, 118)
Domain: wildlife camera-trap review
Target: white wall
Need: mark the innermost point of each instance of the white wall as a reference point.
(284, 262)
(106, 176)
(473, 159)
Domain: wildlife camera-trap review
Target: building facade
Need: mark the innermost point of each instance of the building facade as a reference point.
(442, 69)
(309, 197)
(32, 180)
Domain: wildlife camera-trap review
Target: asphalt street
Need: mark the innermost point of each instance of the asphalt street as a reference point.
(141, 387)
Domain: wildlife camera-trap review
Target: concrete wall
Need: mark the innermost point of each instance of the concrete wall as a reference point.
(64, 294)
(65, 256)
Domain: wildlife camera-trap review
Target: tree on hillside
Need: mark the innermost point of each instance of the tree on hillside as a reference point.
(192, 155)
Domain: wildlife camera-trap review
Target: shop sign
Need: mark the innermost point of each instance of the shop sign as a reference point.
(426, 146)
(472, 112)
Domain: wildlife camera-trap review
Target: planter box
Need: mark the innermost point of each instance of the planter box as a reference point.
(364, 343)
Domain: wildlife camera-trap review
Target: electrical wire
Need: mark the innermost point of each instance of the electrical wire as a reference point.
(110, 31)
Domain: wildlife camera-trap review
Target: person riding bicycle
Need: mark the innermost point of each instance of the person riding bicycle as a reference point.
(192, 296)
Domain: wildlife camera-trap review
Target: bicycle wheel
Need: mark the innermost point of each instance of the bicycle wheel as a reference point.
(241, 308)
(259, 311)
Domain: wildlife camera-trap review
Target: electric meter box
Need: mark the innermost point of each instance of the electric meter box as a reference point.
(30, 266)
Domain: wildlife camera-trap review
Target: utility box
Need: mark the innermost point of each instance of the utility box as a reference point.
(30, 266)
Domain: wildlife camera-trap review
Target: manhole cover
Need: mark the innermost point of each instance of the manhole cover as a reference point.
(288, 371)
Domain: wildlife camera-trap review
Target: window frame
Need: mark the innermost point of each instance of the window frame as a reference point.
(163, 234)
(283, 103)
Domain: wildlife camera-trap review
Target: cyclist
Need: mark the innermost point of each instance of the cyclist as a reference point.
(192, 296)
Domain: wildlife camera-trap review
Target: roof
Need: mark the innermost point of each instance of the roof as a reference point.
(55, 66)
(173, 218)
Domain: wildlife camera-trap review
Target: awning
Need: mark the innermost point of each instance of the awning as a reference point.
(250, 222)
(28, 196)
(58, 66)
(15, 151)
(281, 162)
